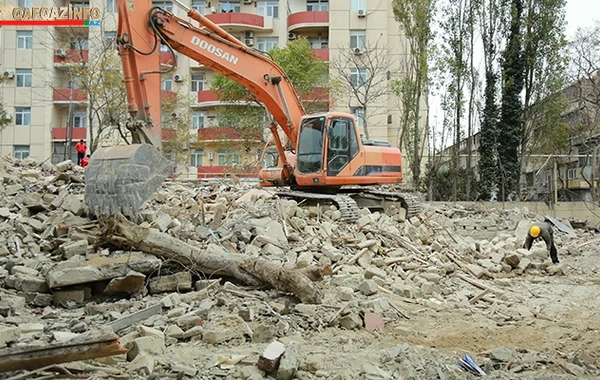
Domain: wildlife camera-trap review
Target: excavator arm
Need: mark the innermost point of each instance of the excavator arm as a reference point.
(119, 179)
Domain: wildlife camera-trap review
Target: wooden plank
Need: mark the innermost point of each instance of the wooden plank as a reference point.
(138, 316)
(477, 284)
(479, 296)
(81, 348)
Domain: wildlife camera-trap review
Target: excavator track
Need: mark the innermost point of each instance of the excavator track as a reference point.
(382, 199)
(349, 201)
(346, 205)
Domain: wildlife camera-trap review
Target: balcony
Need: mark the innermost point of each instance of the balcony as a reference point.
(67, 95)
(60, 133)
(322, 54)
(71, 56)
(167, 58)
(304, 21)
(214, 134)
(318, 95)
(207, 98)
(237, 22)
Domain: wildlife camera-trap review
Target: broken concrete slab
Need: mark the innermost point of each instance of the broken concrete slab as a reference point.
(178, 282)
(100, 269)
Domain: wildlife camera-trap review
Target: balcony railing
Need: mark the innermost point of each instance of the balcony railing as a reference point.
(60, 133)
(229, 134)
(72, 56)
(69, 95)
(322, 54)
(249, 21)
(167, 58)
(300, 20)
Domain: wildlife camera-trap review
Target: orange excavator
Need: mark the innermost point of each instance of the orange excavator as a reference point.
(319, 157)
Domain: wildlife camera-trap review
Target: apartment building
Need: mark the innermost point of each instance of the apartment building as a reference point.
(49, 110)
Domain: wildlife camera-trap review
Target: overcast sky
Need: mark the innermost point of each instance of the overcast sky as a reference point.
(581, 13)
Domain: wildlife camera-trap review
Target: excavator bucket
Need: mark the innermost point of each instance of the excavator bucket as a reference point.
(119, 179)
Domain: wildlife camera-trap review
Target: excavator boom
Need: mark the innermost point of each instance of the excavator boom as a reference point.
(119, 179)
(322, 151)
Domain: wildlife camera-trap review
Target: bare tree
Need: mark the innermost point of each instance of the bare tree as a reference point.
(362, 76)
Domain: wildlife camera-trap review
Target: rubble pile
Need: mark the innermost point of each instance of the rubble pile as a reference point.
(64, 278)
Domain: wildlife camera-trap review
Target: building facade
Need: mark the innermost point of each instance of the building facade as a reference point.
(49, 110)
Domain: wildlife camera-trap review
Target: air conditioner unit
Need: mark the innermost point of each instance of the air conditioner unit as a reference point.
(292, 36)
(248, 34)
(358, 51)
(249, 41)
(247, 1)
(361, 13)
(177, 78)
(9, 74)
(210, 155)
(61, 53)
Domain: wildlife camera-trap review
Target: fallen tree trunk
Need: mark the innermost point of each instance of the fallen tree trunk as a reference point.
(81, 348)
(248, 270)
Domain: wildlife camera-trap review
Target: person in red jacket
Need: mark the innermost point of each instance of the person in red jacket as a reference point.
(81, 148)
(85, 161)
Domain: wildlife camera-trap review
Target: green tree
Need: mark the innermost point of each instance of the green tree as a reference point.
(455, 50)
(545, 59)
(511, 112)
(414, 17)
(491, 15)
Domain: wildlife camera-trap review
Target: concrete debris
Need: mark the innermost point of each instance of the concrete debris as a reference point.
(452, 279)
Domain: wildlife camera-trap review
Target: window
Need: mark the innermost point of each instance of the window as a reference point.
(338, 138)
(78, 43)
(318, 42)
(22, 115)
(358, 39)
(359, 115)
(358, 4)
(164, 47)
(197, 120)
(572, 173)
(24, 39)
(229, 6)
(197, 82)
(228, 157)
(110, 39)
(167, 84)
(317, 5)
(25, 3)
(77, 82)
(80, 4)
(111, 6)
(166, 5)
(266, 43)
(358, 76)
(268, 8)
(23, 77)
(79, 119)
(196, 157)
(198, 5)
(21, 151)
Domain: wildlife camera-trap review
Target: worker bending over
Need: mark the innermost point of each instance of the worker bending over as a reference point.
(542, 230)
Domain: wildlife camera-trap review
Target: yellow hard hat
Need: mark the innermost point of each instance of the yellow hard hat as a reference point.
(534, 231)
